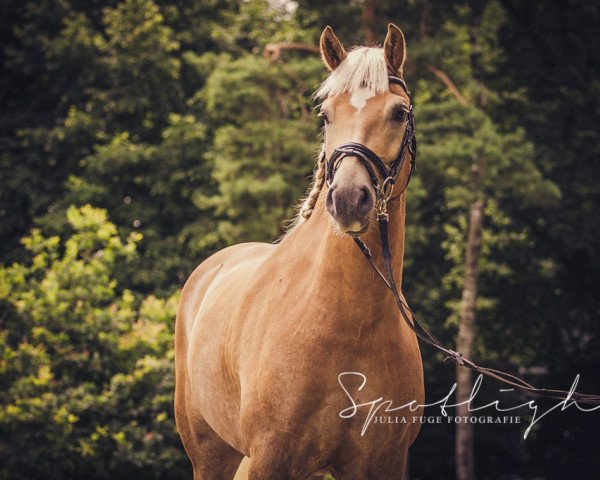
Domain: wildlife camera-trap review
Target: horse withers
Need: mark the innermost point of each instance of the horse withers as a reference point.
(266, 333)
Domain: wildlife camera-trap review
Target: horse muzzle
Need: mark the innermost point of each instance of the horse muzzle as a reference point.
(350, 206)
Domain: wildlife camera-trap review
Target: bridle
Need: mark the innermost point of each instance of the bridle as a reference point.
(375, 166)
(377, 169)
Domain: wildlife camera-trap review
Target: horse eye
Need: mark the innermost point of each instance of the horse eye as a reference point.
(399, 114)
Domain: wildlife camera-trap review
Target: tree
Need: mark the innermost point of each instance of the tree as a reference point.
(555, 70)
(489, 176)
(48, 55)
(264, 143)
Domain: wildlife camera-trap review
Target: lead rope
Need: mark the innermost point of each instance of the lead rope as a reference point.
(324, 174)
(423, 333)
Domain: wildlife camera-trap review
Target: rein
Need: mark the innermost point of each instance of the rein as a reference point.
(384, 192)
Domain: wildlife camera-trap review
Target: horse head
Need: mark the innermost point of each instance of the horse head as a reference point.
(367, 114)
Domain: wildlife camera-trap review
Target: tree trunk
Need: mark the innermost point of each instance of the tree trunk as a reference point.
(465, 465)
(368, 21)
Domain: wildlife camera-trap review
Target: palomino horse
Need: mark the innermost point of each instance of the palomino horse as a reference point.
(264, 331)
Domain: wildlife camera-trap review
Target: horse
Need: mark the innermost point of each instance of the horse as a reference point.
(265, 332)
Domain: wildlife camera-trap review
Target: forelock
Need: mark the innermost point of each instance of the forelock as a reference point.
(364, 67)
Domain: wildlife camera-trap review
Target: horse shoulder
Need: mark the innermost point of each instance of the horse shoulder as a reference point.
(202, 277)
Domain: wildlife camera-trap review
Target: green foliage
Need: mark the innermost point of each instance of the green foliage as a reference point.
(166, 157)
(86, 369)
(455, 139)
(264, 143)
(135, 181)
(139, 47)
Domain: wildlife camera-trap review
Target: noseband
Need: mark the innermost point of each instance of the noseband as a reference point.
(375, 166)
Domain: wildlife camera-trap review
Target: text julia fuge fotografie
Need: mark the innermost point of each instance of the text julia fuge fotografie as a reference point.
(433, 419)
(382, 411)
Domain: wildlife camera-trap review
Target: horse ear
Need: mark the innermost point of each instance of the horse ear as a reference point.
(332, 50)
(395, 49)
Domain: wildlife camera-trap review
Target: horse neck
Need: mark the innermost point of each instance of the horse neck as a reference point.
(335, 260)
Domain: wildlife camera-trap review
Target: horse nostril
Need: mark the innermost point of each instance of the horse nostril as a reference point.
(364, 195)
(366, 201)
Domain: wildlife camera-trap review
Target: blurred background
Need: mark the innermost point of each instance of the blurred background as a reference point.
(137, 137)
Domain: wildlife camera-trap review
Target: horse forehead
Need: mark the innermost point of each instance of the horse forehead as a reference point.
(352, 105)
(359, 98)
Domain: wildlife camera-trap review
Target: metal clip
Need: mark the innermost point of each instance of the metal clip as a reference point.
(387, 188)
(382, 209)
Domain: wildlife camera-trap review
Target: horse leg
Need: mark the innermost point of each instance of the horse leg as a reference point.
(270, 461)
(390, 468)
(211, 457)
(261, 470)
(275, 460)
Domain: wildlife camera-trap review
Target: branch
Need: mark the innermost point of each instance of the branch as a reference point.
(272, 51)
(450, 84)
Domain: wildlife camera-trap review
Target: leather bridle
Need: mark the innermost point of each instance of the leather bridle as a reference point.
(375, 166)
(377, 169)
